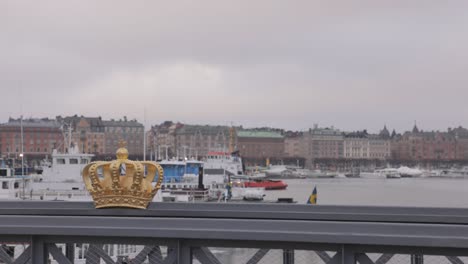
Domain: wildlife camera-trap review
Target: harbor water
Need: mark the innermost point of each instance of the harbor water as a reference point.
(422, 192)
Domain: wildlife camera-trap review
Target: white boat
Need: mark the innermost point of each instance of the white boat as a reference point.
(454, 173)
(223, 173)
(388, 173)
(407, 172)
(276, 170)
(63, 168)
(182, 182)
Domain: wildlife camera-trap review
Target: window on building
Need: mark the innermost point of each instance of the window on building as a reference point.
(5, 185)
(73, 161)
(60, 161)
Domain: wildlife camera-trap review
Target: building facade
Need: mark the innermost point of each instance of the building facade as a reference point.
(87, 133)
(425, 146)
(130, 131)
(363, 146)
(293, 144)
(322, 144)
(256, 146)
(461, 136)
(40, 137)
(177, 140)
(196, 141)
(162, 139)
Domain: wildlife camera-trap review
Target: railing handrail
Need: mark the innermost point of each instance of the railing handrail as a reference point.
(228, 222)
(261, 211)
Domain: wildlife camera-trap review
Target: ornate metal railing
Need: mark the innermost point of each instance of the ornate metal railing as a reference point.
(75, 232)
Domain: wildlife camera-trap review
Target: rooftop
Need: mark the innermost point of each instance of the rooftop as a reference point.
(204, 130)
(32, 122)
(258, 134)
(122, 123)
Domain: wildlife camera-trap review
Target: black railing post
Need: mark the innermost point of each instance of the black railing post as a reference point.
(184, 253)
(347, 256)
(417, 259)
(70, 252)
(288, 256)
(40, 254)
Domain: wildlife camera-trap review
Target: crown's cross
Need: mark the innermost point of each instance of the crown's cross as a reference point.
(122, 144)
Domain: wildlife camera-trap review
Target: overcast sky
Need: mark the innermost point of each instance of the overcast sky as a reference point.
(288, 64)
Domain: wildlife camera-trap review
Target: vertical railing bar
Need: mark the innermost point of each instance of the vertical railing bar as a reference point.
(39, 250)
(347, 256)
(417, 259)
(288, 256)
(70, 252)
(184, 253)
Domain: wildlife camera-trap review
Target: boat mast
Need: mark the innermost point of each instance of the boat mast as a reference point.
(22, 153)
(144, 135)
(22, 146)
(69, 138)
(231, 139)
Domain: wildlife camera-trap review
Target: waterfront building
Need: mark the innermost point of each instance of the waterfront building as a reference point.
(379, 147)
(258, 145)
(418, 145)
(293, 144)
(197, 140)
(322, 144)
(40, 137)
(183, 140)
(87, 133)
(361, 145)
(161, 140)
(131, 131)
(461, 136)
(356, 145)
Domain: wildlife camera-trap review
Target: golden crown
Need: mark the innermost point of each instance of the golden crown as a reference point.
(122, 182)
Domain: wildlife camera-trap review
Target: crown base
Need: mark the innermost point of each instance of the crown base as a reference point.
(121, 202)
(120, 206)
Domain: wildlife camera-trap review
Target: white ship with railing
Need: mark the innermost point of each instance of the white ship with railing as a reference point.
(192, 180)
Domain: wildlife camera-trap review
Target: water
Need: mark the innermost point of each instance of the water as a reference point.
(424, 192)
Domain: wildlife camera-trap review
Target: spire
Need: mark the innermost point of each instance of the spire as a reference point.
(384, 132)
(415, 128)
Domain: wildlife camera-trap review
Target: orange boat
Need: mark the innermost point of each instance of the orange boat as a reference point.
(267, 184)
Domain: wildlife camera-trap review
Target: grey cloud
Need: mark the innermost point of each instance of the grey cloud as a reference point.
(352, 64)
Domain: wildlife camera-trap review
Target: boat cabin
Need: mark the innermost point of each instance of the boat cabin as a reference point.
(174, 170)
(13, 186)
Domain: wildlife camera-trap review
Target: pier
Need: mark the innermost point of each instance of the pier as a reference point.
(197, 232)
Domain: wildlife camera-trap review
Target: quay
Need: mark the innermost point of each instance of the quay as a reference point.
(190, 232)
